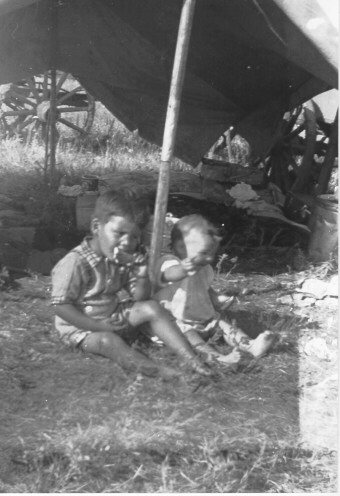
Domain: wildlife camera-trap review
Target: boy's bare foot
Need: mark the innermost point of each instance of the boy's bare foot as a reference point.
(200, 367)
(260, 345)
(168, 373)
(149, 370)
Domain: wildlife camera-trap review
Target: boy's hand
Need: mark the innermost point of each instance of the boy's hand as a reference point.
(124, 258)
(137, 261)
(140, 265)
(106, 326)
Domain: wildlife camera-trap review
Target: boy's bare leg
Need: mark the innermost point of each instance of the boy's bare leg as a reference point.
(164, 326)
(112, 346)
(235, 337)
(198, 342)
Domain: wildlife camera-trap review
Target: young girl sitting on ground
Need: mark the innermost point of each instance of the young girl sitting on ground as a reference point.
(86, 285)
(183, 286)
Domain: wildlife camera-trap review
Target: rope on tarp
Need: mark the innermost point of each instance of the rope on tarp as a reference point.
(269, 24)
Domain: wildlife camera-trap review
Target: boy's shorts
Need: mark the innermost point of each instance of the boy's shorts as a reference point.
(73, 336)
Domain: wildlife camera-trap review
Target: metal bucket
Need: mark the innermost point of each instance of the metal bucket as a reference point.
(324, 228)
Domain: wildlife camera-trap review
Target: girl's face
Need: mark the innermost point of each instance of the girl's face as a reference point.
(199, 247)
(117, 232)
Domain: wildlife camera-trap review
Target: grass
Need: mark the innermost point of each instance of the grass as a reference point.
(109, 148)
(92, 460)
(75, 423)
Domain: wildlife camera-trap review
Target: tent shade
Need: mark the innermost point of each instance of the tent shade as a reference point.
(249, 61)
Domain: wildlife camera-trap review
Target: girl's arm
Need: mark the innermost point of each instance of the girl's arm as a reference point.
(179, 271)
(80, 320)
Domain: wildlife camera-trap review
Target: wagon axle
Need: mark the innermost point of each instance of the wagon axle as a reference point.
(43, 111)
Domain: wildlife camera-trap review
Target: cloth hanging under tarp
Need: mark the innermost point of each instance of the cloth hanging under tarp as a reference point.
(249, 61)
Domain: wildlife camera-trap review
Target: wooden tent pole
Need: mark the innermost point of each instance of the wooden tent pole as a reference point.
(52, 116)
(170, 128)
(52, 124)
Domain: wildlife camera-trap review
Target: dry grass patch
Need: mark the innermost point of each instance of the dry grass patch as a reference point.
(72, 423)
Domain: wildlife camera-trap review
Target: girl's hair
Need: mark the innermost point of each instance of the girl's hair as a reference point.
(189, 222)
(122, 203)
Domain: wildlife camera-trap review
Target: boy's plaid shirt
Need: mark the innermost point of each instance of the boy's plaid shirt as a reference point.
(84, 278)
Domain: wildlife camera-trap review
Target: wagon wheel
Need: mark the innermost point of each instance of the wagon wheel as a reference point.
(301, 136)
(24, 107)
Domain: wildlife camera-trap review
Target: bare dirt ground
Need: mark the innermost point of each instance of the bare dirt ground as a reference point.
(75, 423)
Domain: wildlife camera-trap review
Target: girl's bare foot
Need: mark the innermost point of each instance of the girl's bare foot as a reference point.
(213, 356)
(258, 346)
(231, 359)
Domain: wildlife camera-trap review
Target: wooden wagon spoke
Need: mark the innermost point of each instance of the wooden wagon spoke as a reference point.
(296, 132)
(16, 123)
(292, 121)
(301, 182)
(34, 90)
(11, 105)
(68, 95)
(26, 123)
(292, 161)
(71, 125)
(23, 99)
(331, 154)
(13, 102)
(46, 85)
(21, 112)
(64, 110)
(8, 128)
(61, 81)
(35, 127)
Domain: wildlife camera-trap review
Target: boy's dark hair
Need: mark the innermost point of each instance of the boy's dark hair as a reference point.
(188, 222)
(121, 203)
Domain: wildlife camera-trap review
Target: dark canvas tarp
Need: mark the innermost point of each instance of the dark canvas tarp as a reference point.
(249, 61)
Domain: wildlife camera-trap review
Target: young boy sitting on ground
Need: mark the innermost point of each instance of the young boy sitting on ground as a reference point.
(86, 285)
(183, 286)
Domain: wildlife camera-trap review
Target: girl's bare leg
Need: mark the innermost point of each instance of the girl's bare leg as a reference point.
(235, 337)
(198, 342)
(112, 346)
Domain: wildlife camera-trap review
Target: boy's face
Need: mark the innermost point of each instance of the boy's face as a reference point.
(199, 247)
(116, 232)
